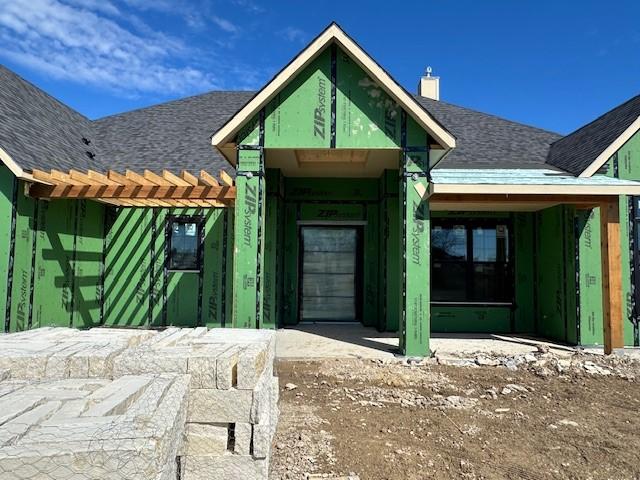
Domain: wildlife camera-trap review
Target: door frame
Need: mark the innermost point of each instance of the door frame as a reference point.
(359, 274)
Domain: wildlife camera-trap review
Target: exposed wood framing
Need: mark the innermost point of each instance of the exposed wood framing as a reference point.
(611, 276)
(133, 189)
(226, 178)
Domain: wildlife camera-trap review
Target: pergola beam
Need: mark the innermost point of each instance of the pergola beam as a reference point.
(134, 189)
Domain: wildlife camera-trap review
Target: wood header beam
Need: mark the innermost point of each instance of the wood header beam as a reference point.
(584, 201)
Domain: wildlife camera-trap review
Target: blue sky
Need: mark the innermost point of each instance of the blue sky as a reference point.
(553, 64)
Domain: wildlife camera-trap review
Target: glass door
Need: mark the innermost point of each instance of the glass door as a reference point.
(329, 274)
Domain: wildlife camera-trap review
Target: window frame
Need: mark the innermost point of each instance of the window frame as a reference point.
(184, 219)
(470, 224)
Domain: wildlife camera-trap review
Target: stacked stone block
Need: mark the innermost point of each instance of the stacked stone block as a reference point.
(228, 411)
(129, 428)
(233, 395)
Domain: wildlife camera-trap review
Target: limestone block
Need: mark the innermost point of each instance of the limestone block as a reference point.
(227, 368)
(128, 428)
(228, 466)
(205, 439)
(262, 437)
(203, 364)
(220, 406)
(242, 435)
(143, 360)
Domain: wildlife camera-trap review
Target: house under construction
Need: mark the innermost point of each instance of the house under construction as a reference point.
(330, 195)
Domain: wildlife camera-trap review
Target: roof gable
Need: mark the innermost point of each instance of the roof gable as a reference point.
(315, 56)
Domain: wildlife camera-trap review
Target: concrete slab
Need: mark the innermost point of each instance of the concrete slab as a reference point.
(354, 340)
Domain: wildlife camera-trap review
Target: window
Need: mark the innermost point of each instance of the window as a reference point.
(185, 240)
(470, 262)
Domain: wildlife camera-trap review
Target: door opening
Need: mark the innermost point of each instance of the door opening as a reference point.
(330, 274)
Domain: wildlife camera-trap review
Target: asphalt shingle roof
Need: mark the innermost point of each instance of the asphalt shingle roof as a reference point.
(575, 152)
(486, 141)
(174, 135)
(38, 131)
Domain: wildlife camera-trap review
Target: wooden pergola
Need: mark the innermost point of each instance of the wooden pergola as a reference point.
(131, 189)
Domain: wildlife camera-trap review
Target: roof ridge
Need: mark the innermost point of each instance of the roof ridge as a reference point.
(597, 119)
(492, 115)
(169, 102)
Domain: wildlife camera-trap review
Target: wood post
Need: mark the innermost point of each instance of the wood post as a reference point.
(611, 276)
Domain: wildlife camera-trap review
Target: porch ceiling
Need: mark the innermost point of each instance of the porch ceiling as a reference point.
(332, 163)
(132, 189)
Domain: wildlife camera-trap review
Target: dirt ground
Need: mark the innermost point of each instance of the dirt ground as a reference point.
(379, 420)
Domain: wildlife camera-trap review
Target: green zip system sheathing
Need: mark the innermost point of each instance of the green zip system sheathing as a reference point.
(555, 268)
(248, 268)
(56, 261)
(141, 291)
(588, 277)
(273, 258)
(415, 309)
(7, 186)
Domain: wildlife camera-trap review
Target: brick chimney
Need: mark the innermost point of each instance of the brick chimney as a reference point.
(429, 86)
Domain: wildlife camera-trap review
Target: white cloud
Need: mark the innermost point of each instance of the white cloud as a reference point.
(293, 34)
(224, 24)
(87, 41)
(249, 6)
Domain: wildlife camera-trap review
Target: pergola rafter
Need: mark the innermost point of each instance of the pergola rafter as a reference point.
(149, 189)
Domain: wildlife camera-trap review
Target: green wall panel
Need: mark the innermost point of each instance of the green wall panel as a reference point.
(415, 271)
(589, 277)
(89, 243)
(229, 272)
(300, 114)
(524, 314)
(182, 299)
(54, 287)
(6, 207)
(213, 268)
(127, 268)
(290, 311)
(626, 259)
(22, 263)
(157, 254)
(272, 221)
(370, 311)
(328, 189)
(447, 319)
(556, 274)
(392, 234)
(366, 116)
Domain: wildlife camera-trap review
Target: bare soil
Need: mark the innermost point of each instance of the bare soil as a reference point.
(397, 421)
